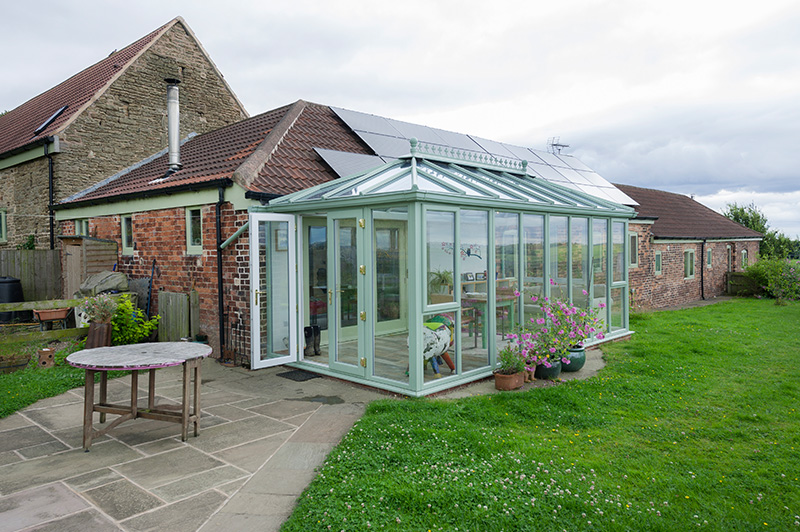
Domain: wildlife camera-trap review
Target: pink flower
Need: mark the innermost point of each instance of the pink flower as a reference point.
(540, 321)
(516, 293)
(552, 349)
(552, 282)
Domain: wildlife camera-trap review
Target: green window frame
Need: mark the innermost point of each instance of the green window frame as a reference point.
(82, 227)
(744, 259)
(657, 262)
(688, 264)
(709, 256)
(3, 226)
(633, 244)
(194, 231)
(126, 230)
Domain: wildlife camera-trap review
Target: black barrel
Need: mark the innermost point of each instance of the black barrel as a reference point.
(11, 292)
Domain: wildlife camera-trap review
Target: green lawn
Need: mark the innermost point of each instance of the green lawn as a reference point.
(692, 425)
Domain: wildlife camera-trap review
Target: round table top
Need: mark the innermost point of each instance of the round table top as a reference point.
(138, 356)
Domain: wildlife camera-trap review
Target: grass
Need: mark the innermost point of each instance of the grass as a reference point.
(693, 424)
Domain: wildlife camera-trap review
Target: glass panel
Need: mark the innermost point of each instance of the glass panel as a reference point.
(618, 257)
(559, 268)
(579, 228)
(658, 262)
(599, 265)
(195, 230)
(616, 309)
(316, 289)
(634, 249)
(438, 346)
(346, 286)
(127, 232)
(506, 241)
(390, 242)
(273, 299)
(533, 234)
(440, 240)
(474, 272)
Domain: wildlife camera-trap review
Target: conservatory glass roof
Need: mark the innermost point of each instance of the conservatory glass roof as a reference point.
(453, 175)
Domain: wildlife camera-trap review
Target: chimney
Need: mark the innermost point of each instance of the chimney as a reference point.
(173, 125)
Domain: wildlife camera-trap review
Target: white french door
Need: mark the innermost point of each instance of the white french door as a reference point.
(273, 283)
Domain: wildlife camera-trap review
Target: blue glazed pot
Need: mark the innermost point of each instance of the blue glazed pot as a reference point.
(576, 357)
(543, 372)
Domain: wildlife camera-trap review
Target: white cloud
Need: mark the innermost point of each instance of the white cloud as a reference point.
(781, 209)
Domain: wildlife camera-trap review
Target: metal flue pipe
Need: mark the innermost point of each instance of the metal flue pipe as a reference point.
(173, 124)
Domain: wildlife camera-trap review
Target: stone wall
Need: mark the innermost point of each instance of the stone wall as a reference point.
(670, 288)
(161, 235)
(126, 124)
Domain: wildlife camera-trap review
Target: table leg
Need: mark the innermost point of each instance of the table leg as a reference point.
(198, 366)
(103, 393)
(88, 409)
(185, 402)
(151, 390)
(134, 393)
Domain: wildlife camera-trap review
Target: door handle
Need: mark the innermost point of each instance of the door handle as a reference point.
(258, 293)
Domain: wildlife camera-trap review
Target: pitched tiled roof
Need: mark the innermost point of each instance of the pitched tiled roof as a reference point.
(18, 125)
(679, 216)
(270, 153)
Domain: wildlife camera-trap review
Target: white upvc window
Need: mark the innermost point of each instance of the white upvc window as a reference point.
(127, 234)
(3, 226)
(657, 263)
(744, 259)
(688, 264)
(194, 231)
(633, 240)
(708, 258)
(82, 227)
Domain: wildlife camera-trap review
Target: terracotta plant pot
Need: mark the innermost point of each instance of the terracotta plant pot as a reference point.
(505, 382)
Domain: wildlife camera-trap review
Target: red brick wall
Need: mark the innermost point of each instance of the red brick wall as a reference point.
(650, 291)
(161, 235)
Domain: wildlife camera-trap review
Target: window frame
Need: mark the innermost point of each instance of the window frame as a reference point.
(658, 264)
(633, 245)
(126, 238)
(686, 254)
(745, 259)
(82, 227)
(3, 225)
(709, 258)
(193, 249)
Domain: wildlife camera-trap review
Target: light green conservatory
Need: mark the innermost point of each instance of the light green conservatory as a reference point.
(351, 277)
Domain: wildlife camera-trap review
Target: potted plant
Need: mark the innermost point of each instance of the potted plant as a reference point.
(509, 375)
(99, 310)
(440, 281)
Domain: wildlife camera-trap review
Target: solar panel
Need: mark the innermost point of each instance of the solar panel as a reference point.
(366, 122)
(457, 140)
(416, 131)
(346, 163)
(495, 148)
(385, 146)
(572, 162)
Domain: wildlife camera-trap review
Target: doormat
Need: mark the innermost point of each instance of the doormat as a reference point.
(298, 375)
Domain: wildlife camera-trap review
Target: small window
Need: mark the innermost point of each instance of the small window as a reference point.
(708, 258)
(657, 265)
(82, 227)
(127, 235)
(744, 259)
(3, 227)
(688, 264)
(633, 239)
(194, 231)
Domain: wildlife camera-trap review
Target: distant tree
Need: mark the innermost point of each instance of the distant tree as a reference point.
(775, 244)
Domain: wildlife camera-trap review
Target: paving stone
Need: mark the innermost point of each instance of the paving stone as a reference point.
(161, 446)
(180, 489)
(93, 480)
(187, 515)
(260, 504)
(252, 402)
(122, 499)
(24, 437)
(232, 487)
(44, 449)
(251, 456)
(218, 397)
(164, 468)
(9, 457)
(58, 417)
(237, 432)
(87, 521)
(37, 505)
(49, 402)
(299, 455)
(142, 431)
(26, 474)
(14, 421)
(286, 409)
(262, 523)
(329, 424)
(73, 437)
(298, 420)
(280, 481)
(229, 412)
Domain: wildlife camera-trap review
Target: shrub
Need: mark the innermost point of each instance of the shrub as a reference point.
(129, 324)
(780, 278)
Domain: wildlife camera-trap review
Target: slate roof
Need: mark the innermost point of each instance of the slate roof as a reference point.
(678, 216)
(284, 137)
(17, 127)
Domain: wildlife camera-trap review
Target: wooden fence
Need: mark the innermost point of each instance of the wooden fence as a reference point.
(39, 271)
(179, 315)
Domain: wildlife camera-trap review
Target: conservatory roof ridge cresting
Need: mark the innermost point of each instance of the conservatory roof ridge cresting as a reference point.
(454, 155)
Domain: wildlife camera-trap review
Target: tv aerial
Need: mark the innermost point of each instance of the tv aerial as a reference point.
(554, 145)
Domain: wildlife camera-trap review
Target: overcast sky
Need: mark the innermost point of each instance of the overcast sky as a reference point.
(696, 97)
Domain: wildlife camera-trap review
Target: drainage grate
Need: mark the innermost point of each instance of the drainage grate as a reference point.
(298, 375)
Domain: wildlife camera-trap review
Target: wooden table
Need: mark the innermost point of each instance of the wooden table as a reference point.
(479, 301)
(134, 358)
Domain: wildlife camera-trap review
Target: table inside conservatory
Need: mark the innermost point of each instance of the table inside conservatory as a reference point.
(134, 358)
(479, 301)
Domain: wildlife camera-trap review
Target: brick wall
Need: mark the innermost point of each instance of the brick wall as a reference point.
(671, 288)
(161, 235)
(125, 125)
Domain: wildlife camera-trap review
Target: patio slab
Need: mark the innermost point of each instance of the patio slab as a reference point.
(122, 499)
(38, 505)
